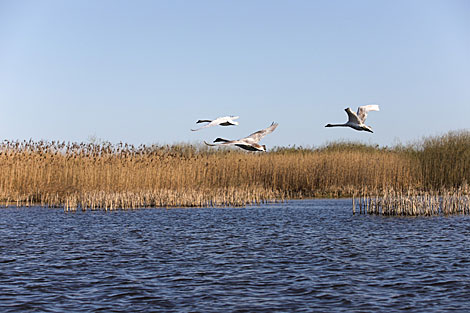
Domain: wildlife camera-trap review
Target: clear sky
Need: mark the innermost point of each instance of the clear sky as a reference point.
(146, 71)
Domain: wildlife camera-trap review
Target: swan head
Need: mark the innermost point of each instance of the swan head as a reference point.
(328, 125)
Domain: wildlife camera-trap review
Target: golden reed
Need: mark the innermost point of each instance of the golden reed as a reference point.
(106, 176)
(415, 203)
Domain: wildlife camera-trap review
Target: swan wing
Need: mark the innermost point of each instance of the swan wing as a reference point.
(257, 136)
(230, 120)
(215, 122)
(226, 143)
(352, 117)
(220, 120)
(205, 126)
(364, 109)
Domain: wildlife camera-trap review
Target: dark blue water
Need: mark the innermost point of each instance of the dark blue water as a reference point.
(303, 256)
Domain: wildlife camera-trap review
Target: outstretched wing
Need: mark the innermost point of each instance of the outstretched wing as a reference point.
(218, 121)
(352, 117)
(228, 123)
(222, 119)
(363, 110)
(205, 126)
(257, 136)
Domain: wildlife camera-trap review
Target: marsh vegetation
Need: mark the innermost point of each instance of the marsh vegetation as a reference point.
(107, 176)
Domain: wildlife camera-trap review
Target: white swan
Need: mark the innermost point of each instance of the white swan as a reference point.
(250, 142)
(222, 121)
(356, 121)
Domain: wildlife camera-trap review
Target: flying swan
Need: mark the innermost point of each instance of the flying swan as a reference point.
(222, 121)
(356, 121)
(250, 142)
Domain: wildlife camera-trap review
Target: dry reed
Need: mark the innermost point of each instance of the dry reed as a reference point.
(106, 176)
(415, 203)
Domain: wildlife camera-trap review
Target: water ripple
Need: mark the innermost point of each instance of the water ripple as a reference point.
(303, 256)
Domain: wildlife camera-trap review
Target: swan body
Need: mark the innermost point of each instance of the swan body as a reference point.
(357, 120)
(250, 143)
(222, 121)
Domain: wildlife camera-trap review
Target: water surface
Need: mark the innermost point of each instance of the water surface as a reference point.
(300, 256)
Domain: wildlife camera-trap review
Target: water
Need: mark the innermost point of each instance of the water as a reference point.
(303, 256)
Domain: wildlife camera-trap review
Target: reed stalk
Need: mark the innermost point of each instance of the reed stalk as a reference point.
(106, 176)
(453, 201)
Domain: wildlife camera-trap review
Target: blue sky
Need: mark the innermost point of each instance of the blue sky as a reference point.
(145, 71)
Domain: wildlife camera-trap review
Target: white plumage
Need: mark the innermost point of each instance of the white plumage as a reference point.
(357, 120)
(222, 121)
(250, 142)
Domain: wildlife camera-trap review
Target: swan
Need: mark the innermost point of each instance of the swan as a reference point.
(356, 121)
(222, 121)
(250, 142)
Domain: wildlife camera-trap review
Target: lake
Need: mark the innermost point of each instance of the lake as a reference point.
(299, 256)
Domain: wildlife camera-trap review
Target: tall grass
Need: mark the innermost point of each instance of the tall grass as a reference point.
(126, 176)
(445, 160)
(415, 203)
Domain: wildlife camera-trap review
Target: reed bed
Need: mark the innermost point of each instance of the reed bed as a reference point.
(415, 203)
(122, 176)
